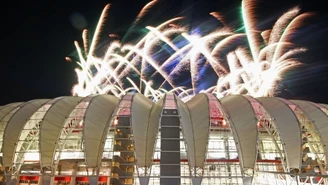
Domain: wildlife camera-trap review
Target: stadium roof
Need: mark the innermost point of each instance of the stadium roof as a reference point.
(239, 111)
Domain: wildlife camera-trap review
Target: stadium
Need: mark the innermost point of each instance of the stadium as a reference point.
(105, 140)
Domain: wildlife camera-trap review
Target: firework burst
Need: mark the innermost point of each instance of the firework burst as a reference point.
(167, 54)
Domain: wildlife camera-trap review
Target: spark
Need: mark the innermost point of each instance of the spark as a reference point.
(167, 53)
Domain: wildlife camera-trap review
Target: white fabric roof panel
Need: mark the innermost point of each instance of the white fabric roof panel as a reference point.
(187, 130)
(8, 108)
(6, 113)
(320, 120)
(243, 123)
(197, 130)
(96, 121)
(145, 119)
(51, 126)
(15, 126)
(324, 105)
(288, 127)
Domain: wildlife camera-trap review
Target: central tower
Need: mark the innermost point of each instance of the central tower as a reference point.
(170, 143)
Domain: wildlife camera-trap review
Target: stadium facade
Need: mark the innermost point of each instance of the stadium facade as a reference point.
(104, 140)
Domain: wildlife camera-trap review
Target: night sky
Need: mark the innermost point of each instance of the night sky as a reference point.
(38, 35)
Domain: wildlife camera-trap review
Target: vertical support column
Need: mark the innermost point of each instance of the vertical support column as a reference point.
(170, 148)
(93, 180)
(248, 176)
(247, 180)
(9, 179)
(196, 180)
(108, 179)
(73, 177)
(144, 180)
(59, 168)
(93, 176)
(46, 180)
(12, 182)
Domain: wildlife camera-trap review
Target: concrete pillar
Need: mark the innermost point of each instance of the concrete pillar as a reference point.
(12, 182)
(7, 177)
(144, 180)
(10, 179)
(247, 180)
(93, 180)
(46, 180)
(196, 180)
(248, 176)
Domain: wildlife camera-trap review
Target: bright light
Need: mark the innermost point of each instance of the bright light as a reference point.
(224, 123)
(115, 121)
(81, 123)
(252, 68)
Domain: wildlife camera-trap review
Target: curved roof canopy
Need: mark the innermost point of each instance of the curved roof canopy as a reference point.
(288, 126)
(145, 116)
(195, 122)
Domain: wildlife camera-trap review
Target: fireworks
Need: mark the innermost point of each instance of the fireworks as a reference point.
(168, 54)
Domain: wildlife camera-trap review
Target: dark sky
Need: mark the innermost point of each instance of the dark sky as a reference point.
(38, 35)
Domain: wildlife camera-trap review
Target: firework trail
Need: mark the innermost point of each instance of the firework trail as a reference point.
(162, 58)
(141, 14)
